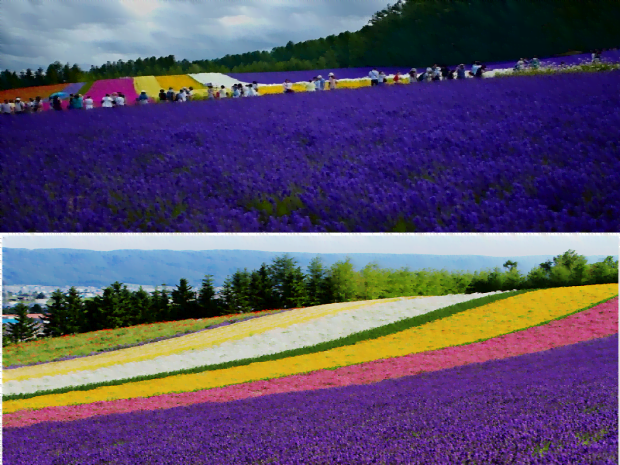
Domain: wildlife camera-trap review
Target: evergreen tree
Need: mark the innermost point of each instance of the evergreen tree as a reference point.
(76, 315)
(183, 301)
(208, 305)
(116, 306)
(316, 284)
(24, 328)
(261, 289)
(141, 307)
(57, 316)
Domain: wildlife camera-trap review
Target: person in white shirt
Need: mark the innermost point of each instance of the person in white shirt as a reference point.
(210, 94)
(428, 77)
(6, 107)
(374, 77)
(288, 87)
(251, 91)
(106, 102)
(120, 100)
(88, 103)
(310, 86)
(19, 106)
(436, 73)
(183, 95)
(255, 86)
(381, 78)
(332, 81)
(190, 93)
(222, 92)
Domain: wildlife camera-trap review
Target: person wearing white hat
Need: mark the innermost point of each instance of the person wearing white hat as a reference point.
(19, 106)
(332, 81)
(320, 83)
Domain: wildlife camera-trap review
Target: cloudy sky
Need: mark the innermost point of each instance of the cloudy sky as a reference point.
(36, 33)
(492, 245)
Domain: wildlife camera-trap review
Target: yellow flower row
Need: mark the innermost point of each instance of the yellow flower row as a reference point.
(481, 323)
(196, 341)
(148, 84)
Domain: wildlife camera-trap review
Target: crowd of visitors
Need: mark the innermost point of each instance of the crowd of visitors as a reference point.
(317, 83)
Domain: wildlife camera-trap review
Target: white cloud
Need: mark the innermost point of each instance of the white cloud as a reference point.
(91, 31)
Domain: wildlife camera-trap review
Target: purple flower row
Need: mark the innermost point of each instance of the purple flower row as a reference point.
(555, 407)
(498, 155)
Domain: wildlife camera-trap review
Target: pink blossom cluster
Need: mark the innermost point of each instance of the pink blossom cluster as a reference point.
(597, 322)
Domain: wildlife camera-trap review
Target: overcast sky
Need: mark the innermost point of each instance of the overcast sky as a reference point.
(36, 33)
(494, 245)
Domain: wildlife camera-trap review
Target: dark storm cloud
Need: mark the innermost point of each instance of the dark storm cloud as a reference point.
(36, 33)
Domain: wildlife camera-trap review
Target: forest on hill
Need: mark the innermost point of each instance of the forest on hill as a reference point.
(409, 33)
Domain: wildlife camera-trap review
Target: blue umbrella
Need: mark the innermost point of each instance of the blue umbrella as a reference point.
(60, 95)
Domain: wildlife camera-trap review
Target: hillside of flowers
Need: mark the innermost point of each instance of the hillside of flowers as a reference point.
(534, 154)
(530, 375)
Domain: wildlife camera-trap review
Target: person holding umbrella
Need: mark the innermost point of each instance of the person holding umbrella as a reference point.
(56, 103)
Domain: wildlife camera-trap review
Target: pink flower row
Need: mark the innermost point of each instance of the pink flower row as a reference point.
(599, 321)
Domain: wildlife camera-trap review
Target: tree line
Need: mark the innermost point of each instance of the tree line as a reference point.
(282, 284)
(408, 33)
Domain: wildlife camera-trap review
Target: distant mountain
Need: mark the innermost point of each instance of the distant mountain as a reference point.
(59, 267)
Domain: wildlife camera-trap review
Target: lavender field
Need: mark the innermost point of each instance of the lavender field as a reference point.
(558, 406)
(512, 154)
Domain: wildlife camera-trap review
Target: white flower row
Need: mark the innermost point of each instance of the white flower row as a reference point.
(271, 342)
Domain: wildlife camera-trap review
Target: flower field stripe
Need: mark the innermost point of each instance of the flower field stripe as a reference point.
(25, 93)
(178, 81)
(435, 335)
(148, 84)
(108, 86)
(194, 341)
(484, 322)
(298, 336)
(596, 322)
(559, 406)
(81, 345)
(349, 340)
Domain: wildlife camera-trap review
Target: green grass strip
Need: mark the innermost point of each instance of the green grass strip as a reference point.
(86, 87)
(352, 339)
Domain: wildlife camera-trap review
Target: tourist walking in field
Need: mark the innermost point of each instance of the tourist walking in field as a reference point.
(480, 71)
(332, 81)
(119, 101)
(382, 78)
(88, 103)
(251, 92)
(143, 99)
(235, 91)
(310, 86)
(38, 105)
(255, 86)
(535, 63)
(374, 77)
(6, 108)
(460, 72)
(18, 107)
(170, 95)
(56, 103)
(413, 75)
(190, 93)
(162, 95)
(77, 102)
(320, 83)
(210, 94)
(106, 102)
(287, 86)
(222, 92)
